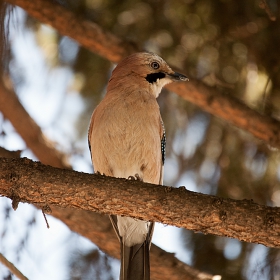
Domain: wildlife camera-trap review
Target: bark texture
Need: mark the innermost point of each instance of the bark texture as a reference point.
(23, 180)
(98, 229)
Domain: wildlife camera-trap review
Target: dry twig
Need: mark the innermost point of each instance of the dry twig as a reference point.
(12, 268)
(264, 5)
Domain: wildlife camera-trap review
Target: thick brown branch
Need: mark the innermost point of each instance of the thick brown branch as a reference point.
(231, 110)
(87, 33)
(25, 181)
(29, 130)
(111, 47)
(98, 229)
(91, 225)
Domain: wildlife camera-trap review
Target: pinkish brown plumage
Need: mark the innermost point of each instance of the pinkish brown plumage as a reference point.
(126, 138)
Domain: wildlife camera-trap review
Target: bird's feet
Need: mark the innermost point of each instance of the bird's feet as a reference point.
(136, 177)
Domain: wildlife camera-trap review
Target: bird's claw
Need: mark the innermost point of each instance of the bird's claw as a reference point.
(136, 177)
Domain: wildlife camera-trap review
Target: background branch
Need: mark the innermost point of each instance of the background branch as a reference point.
(264, 5)
(98, 229)
(238, 58)
(12, 268)
(104, 43)
(25, 181)
(28, 129)
(113, 48)
(230, 109)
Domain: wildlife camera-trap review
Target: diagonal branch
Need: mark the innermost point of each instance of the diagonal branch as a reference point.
(98, 229)
(265, 6)
(23, 180)
(104, 43)
(12, 268)
(231, 110)
(31, 133)
(113, 48)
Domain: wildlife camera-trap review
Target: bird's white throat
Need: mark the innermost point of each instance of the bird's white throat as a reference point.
(158, 85)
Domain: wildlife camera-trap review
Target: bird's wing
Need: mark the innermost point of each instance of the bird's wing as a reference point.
(90, 132)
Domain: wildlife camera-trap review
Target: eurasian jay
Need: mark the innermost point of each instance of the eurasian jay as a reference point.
(127, 138)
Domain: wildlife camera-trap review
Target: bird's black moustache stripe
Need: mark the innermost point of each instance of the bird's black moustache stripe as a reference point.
(152, 78)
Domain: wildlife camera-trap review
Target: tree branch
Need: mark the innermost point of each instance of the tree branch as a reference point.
(264, 5)
(23, 180)
(9, 154)
(231, 110)
(31, 133)
(98, 229)
(113, 48)
(94, 226)
(12, 268)
(67, 23)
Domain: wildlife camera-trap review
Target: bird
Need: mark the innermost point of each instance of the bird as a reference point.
(127, 140)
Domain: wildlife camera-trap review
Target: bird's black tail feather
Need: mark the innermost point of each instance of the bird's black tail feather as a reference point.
(135, 262)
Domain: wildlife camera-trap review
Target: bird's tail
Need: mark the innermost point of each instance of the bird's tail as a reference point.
(135, 262)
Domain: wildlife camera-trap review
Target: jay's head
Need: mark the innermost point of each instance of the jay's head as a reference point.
(146, 70)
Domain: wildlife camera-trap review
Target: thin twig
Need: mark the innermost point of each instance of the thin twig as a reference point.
(48, 226)
(264, 5)
(12, 268)
(265, 94)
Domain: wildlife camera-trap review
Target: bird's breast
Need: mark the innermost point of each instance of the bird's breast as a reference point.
(126, 138)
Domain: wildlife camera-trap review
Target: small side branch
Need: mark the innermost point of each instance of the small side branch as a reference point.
(12, 268)
(9, 154)
(264, 5)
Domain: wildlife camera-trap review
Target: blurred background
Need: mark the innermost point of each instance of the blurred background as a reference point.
(230, 45)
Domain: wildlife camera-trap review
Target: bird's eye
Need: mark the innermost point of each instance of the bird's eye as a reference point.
(155, 65)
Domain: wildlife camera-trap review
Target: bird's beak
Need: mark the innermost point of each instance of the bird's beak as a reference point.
(177, 76)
